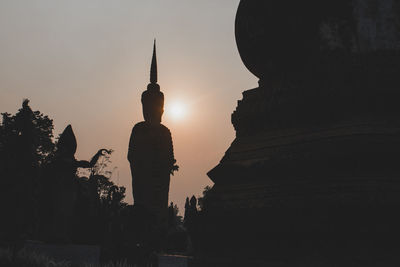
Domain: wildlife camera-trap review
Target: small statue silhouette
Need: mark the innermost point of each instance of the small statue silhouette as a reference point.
(152, 159)
(61, 174)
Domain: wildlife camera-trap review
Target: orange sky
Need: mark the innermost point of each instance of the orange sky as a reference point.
(86, 63)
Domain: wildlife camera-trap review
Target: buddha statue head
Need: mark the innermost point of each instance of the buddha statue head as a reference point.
(153, 98)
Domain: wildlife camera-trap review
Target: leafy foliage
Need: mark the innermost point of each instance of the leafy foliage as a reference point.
(27, 148)
(29, 133)
(202, 201)
(26, 141)
(195, 210)
(30, 164)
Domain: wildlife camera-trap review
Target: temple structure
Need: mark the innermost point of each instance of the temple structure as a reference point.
(312, 175)
(152, 161)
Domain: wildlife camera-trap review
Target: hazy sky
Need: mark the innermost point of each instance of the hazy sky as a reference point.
(86, 63)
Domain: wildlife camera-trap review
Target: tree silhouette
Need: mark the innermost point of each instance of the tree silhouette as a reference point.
(176, 235)
(202, 201)
(25, 145)
(28, 133)
(99, 205)
(27, 151)
(195, 210)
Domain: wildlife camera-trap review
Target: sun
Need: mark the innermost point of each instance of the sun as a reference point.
(176, 110)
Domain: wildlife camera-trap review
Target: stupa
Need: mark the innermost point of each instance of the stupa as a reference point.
(313, 173)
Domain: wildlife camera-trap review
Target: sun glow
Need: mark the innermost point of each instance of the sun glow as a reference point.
(176, 110)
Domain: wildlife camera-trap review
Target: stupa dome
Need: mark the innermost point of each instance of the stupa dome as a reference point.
(277, 37)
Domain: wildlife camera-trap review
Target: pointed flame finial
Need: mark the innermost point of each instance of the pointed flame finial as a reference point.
(153, 69)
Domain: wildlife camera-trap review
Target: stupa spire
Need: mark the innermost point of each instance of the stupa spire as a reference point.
(153, 68)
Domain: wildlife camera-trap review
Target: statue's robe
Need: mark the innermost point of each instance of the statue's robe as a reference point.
(151, 158)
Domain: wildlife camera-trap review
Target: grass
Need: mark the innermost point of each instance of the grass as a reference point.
(24, 258)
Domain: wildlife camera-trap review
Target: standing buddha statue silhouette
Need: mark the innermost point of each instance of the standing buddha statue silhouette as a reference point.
(151, 159)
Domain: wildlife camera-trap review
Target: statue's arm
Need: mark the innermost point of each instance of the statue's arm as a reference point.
(130, 159)
(130, 147)
(174, 166)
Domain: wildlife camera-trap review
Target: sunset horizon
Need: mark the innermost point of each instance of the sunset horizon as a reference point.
(95, 81)
(199, 133)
